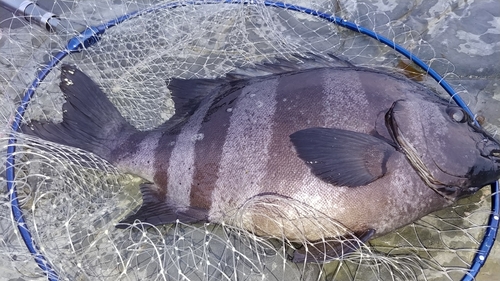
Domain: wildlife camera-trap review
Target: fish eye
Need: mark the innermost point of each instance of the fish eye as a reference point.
(457, 114)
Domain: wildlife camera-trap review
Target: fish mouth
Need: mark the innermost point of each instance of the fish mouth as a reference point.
(403, 145)
(495, 155)
(489, 147)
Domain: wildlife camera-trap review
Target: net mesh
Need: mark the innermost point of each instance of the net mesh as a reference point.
(72, 199)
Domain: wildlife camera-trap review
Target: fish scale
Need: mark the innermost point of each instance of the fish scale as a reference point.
(181, 167)
(209, 151)
(303, 154)
(245, 150)
(353, 97)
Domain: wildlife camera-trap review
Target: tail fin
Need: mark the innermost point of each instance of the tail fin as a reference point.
(90, 121)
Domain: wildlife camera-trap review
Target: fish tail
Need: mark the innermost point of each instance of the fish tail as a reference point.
(90, 121)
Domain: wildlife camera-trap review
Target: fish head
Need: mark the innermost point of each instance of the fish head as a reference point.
(452, 154)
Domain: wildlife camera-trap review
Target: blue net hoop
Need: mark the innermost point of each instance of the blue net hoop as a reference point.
(92, 35)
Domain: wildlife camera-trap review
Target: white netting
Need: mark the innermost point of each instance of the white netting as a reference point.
(72, 202)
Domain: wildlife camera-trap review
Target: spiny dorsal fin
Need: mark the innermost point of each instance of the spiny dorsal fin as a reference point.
(187, 94)
(296, 62)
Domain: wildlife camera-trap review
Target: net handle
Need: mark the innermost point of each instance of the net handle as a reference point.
(92, 35)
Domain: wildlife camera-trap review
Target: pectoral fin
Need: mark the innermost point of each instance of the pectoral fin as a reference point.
(342, 157)
(156, 211)
(324, 251)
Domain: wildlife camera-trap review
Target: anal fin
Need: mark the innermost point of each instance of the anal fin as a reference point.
(328, 250)
(155, 210)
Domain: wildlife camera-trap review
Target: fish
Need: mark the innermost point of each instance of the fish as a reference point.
(320, 156)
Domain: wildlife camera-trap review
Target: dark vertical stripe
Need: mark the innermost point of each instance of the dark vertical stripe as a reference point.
(182, 160)
(245, 151)
(208, 150)
(299, 106)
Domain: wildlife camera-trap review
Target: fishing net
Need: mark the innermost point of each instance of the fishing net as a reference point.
(72, 199)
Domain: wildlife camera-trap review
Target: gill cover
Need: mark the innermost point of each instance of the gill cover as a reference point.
(450, 154)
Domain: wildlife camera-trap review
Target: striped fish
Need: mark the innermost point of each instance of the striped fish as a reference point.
(305, 154)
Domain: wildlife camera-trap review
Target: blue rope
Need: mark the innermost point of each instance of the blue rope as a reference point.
(92, 35)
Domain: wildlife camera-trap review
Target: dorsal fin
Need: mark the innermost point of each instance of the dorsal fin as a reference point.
(187, 94)
(296, 62)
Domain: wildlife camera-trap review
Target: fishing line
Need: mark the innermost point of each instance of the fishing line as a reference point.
(91, 36)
